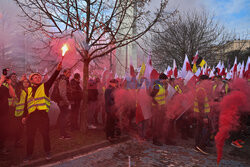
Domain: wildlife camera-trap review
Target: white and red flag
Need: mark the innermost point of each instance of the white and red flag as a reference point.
(168, 72)
(185, 68)
(190, 75)
(148, 68)
(247, 69)
(234, 68)
(175, 71)
(195, 57)
(222, 72)
(241, 75)
(211, 74)
(218, 68)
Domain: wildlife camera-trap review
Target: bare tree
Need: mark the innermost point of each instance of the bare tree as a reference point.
(105, 25)
(185, 34)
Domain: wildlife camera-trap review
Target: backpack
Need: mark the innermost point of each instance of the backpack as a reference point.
(55, 95)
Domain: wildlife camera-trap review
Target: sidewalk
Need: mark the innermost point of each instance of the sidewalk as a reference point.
(71, 153)
(60, 149)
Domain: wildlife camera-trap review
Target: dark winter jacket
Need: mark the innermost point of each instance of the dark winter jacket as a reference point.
(76, 90)
(109, 99)
(65, 90)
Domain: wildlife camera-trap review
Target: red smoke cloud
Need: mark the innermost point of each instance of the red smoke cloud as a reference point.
(231, 106)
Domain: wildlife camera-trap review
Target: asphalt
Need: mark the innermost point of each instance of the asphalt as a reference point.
(144, 154)
(60, 157)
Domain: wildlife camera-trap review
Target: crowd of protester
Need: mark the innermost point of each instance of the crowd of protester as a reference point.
(25, 103)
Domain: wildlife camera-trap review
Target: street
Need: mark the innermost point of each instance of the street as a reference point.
(145, 154)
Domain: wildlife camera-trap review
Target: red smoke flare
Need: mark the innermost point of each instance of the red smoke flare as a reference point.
(229, 117)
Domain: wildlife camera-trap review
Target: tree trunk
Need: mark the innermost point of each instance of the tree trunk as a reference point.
(84, 108)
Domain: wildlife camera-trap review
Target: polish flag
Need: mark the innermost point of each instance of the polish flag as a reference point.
(148, 68)
(235, 67)
(169, 72)
(222, 73)
(166, 70)
(242, 70)
(211, 75)
(186, 67)
(143, 109)
(175, 71)
(188, 77)
(218, 67)
(195, 57)
(247, 69)
(238, 69)
(229, 74)
(205, 70)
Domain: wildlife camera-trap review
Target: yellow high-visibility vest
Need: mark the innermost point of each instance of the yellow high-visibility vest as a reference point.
(226, 88)
(20, 105)
(214, 87)
(206, 104)
(178, 89)
(6, 85)
(160, 96)
(40, 101)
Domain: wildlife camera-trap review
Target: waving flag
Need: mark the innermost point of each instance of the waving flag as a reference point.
(185, 68)
(247, 69)
(195, 57)
(148, 68)
(242, 70)
(175, 71)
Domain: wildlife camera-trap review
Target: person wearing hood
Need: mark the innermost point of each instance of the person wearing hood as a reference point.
(76, 98)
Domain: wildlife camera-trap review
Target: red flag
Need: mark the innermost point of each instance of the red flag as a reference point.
(175, 71)
(170, 72)
(154, 74)
(132, 71)
(223, 72)
(188, 67)
(138, 114)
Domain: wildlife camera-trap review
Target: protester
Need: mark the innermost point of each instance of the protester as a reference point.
(110, 109)
(21, 96)
(36, 112)
(92, 104)
(158, 106)
(100, 100)
(65, 102)
(76, 101)
(201, 111)
(6, 91)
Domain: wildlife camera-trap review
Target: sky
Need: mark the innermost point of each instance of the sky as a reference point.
(233, 14)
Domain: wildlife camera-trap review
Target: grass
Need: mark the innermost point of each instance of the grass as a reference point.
(16, 155)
